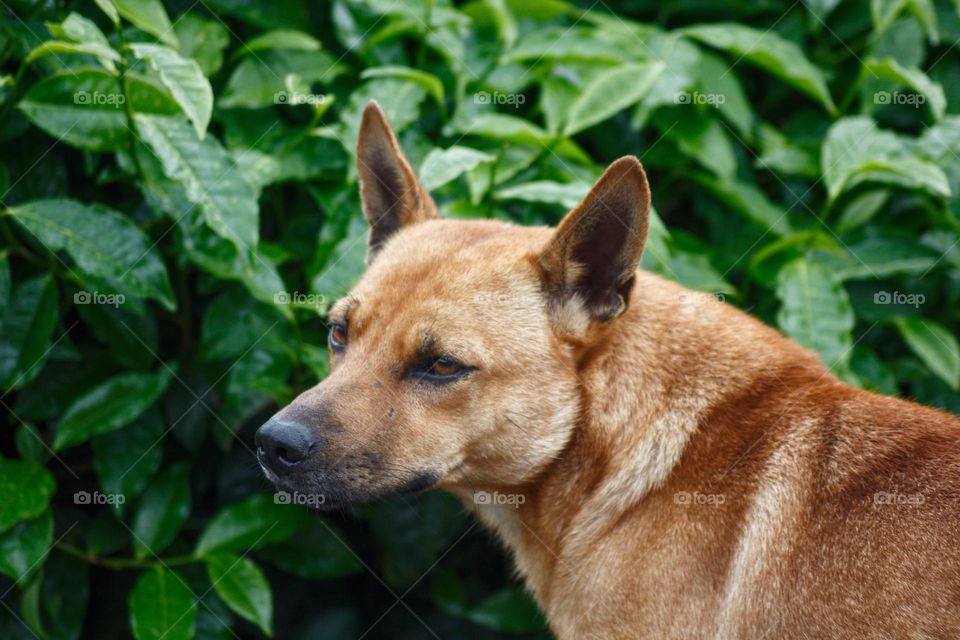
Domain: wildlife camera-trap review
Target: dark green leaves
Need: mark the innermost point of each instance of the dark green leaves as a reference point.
(162, 607)
(110, 405)
(148, 15)
(935, 345)
(185, 80)
(26, 488)
(816, 311)
(254, 522)
(244, 588)
(105, 244)
(163, 509)
(857, 151)
(27, 325)
(126, 459)
(86, 108)
(207, 176)
(610, 91)
(24, 546)
(768, 50)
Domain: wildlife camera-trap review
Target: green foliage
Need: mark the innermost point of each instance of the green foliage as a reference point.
(179, 207)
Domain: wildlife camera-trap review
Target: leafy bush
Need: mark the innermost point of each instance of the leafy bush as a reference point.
(180, 206)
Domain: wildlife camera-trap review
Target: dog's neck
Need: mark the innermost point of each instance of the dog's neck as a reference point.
(670, 358)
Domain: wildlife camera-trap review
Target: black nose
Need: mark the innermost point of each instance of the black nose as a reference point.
(283, 445)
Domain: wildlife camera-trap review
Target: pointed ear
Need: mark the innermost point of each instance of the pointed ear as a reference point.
(592, 258)
(391, 195)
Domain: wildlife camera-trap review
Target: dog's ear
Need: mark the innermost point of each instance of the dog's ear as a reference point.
(391, 195)
(591, 260)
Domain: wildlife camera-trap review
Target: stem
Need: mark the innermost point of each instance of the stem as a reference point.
(119, 564)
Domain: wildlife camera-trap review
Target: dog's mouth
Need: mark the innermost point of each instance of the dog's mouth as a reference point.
(327, 492)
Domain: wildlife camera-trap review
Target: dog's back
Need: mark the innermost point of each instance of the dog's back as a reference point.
(729, 486)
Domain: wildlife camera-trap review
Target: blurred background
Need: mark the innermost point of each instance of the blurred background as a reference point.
(179, 207)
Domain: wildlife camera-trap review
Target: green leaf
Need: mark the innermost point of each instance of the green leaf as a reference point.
(126, 459)
(719, 82)
(208, 177)
(915, 79)
(884, 12)
(27, 489)
(162, 607)
(110, 405)
(609, 92)
(856, 151)
(203, 40)
(256, 521)
(769, 51)
(878, 257)
(935, 345)
(816, 311)
(150, 16)
(25, 331)
(104, 243)
(163, 509)
(428, 81)
(4, 284)
(704, 139)
(23, 548)
(86, 33)
(567, 195)
(281, 39)
(861, 209)
(185, 80)
(256, 81)
(506, 128)
(443, 165)
(317, 552)
(58, 48)
(343, 267)
(750, 202)
(85, 107)
(565, 44)
(508, 611)
(244, 588)
(107, 7)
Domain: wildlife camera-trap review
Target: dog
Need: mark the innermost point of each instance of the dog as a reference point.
(658, 463)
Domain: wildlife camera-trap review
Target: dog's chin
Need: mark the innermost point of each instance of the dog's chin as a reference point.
(330, 494)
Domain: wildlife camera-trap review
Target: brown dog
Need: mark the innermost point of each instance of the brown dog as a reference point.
(660, 464)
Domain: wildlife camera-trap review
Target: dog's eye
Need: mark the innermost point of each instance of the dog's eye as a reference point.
(445, 367)
(337, 337)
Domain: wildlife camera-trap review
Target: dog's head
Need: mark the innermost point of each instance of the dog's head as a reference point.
(454, 361)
